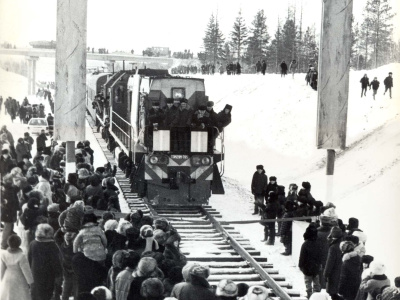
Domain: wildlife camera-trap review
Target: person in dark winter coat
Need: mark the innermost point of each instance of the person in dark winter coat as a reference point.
(258, 67)
(9, 208)
(350, 273)
(364, 84)
(29, 219)
(197, 286)
(5, 162)
(270, 212)
(21, 149)
(182, 121)
(376, 280)
(172, 252)
(258, 187)
(286, 228)
(152, 289)
(327, 222)
(125, 278)
(41, 140)
(388, 82)
(89, 273)
(310, 261)
(44, 259)
(118, 265)
(147, 268)
(375, 86)
(171, 111)
(272, 186)
(224, 117)
(263, 67)
(200, 118)
(333, 263)
(284, 69)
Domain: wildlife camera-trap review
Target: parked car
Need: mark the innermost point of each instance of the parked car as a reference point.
(36, 125)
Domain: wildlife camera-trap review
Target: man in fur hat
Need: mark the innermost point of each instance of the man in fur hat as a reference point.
(258, 187)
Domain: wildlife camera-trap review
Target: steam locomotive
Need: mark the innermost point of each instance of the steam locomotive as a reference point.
(164, 173)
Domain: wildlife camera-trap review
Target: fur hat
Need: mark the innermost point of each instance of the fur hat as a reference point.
(123, 225)
(228, 107)
(377, 268)
(88, 210)
(290, 205)
(132, 259)
(146, 266)
(336, 233)
(306, 185)
(397, 282)
(226, 288)
(108, 215)
(311, 233)
(330, 204)
(160, 236)
(83, 173)
(257, 292)
(118, 259)
(353, 224)
(170, 100)
(14, 241)
(111, 225)
(346, 246)
(162, 224)
(33, 203)
(202, 107)
(367, 259)
(146, 231)
(4, 151)
(155, 103)
(272, 178)
(72, 178)
(200, 271)
(44, 231)
(186, 270)
(210, 103)
(352, 238)
(184, 100)
(53, 207)
(152, 288)
(260, 167)
(362, 237)
(33, 180)
(102, 293)
(242, 289)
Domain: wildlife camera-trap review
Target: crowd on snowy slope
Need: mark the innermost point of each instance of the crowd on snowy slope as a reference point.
(64, 250)
(333, 255)
(365, 83)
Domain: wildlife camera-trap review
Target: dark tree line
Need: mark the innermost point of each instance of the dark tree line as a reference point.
(372, 45)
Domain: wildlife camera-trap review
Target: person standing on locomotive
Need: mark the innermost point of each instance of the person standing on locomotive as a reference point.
(171, 110)
(182, 121)
(201, 118)
(224, 117)
(258, 187)
(155, 119)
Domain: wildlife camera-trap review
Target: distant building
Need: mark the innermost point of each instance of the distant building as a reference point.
(157, 51)
(43, 44)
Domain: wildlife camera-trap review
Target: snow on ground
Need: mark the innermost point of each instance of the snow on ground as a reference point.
(274, 123)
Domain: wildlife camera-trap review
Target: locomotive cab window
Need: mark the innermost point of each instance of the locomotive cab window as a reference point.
(178, 93)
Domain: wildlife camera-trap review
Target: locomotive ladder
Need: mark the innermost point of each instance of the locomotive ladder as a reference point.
(207, 241)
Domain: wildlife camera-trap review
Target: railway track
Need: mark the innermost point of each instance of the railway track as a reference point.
(207, 241)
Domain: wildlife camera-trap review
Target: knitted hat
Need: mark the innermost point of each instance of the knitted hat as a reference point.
(377, 268)
(226, 288)
(200, 271)
(152, 288)
(257, 292)
(336, 233)
(146, 266)
(346, 246)
(102, 293)
(53, 207)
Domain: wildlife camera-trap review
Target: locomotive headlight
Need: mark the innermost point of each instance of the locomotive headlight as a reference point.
(153, 160)
(196, 161)
(206, 161)
(163, 160)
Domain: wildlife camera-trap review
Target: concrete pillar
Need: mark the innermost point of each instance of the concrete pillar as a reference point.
(110, 65)
(29, 75)
(34, 59)
(70, 94)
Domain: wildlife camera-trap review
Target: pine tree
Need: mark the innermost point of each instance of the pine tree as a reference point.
(239, 36)
(208, 39)
(379, 14)
(310, 46)
(258, 41)
(289, 35)
(213, 41)
(275, 49)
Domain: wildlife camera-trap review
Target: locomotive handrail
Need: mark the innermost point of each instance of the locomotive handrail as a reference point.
(121, 129)
(121, 118)
(278, 290)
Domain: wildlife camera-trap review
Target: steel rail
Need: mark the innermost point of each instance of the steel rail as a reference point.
(279, 291)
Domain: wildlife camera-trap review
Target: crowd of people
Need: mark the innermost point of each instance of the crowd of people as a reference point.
(333, 255)
(374, 84)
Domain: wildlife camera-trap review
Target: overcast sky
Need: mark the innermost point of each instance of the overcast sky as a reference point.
(132, 24)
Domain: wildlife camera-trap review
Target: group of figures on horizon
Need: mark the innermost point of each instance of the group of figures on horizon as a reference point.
(365, 83)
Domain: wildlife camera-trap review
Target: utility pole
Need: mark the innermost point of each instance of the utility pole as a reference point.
(69, 113)
(333, 81)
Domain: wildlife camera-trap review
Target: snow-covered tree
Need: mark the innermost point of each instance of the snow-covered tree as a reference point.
(213, 41)
(259, 38)
(239, 36)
